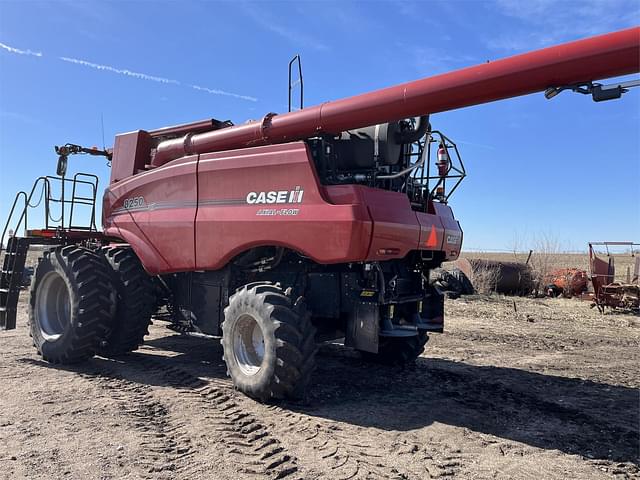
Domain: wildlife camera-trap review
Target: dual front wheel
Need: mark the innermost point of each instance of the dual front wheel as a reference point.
(72, 304)
(84, 302)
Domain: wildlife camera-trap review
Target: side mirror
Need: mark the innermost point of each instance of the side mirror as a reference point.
(61, 169)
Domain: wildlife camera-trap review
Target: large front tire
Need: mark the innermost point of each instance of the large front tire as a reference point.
(268, 342)
(72, 302)
(136, 302)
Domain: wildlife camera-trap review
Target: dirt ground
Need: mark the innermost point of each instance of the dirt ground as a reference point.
(540, 389)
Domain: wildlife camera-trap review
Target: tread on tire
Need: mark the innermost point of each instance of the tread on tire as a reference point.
(135, 302)
(71, 304)
(288, 342)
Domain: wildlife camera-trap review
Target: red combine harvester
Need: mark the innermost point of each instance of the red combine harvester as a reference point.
(313, 225)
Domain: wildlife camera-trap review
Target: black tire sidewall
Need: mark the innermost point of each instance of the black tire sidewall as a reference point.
(256, 384)
(53, 348)
(130, 324)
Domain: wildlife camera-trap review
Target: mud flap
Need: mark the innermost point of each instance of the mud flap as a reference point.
(432, 316)
(363, 327)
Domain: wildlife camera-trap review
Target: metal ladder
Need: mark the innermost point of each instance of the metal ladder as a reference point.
(11, 280)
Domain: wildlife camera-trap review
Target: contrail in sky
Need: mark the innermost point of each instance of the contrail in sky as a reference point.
(129, 73)
(215, 91)
(20, 52)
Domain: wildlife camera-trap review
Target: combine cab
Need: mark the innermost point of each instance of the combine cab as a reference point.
(313, 225)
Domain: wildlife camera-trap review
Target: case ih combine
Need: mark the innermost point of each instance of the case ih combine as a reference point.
(277, 234)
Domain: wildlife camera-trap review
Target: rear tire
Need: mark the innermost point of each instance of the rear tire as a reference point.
(448, 282)
(399, 350)
(135, 302)
(268, 342)
(71, 305)
(466, 287)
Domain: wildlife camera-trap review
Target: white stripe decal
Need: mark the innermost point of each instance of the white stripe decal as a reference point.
(175, 205)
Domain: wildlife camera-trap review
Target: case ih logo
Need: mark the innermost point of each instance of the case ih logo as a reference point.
(281, 196)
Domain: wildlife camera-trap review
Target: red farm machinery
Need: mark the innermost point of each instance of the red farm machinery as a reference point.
(610, 289)
(275, 235)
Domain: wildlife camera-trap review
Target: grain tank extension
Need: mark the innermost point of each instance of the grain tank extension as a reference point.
(280, 233)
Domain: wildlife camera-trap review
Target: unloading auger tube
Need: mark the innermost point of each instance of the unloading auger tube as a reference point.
(583, 61)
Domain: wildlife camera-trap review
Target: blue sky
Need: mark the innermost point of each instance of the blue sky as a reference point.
(567, 168)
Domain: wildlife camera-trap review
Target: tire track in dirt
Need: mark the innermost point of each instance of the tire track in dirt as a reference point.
(335, 454)
(261, 444)
(246, 439)
(347, 455)
(347, 451)
(168, 447)
(164, 440)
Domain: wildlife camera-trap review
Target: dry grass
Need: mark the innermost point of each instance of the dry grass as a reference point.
(542, 261)
(484, 278)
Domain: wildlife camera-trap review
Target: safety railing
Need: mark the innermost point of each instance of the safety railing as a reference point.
(42, 189)
(439, 182)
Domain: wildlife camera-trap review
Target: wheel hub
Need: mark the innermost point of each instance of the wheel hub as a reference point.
(248, 345)
(53, 306)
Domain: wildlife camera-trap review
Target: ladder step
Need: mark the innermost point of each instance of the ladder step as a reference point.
(7, 318)
(4, 290)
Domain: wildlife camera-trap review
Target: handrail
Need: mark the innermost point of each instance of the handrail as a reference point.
(13, 207)
(46, 194)
(94, 191)
(27, 204)
(423, 177)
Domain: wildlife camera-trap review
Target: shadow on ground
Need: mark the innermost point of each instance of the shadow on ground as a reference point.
(572, 415)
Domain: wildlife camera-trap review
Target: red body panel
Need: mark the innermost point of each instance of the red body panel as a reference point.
(227, 225)
(131, 153)
(155, 212)
(395, 226)
(333, 224)
(451, 233)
